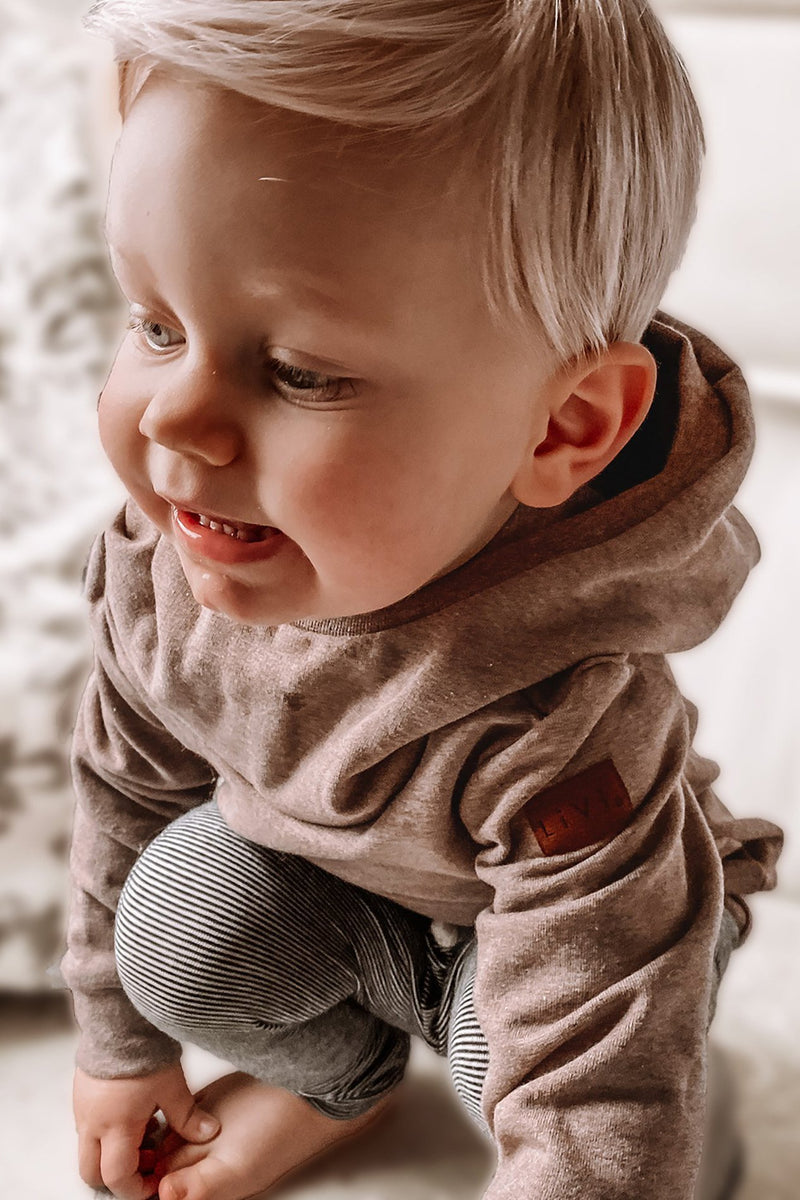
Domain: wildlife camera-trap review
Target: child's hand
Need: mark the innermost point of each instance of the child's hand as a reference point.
(112, 1117)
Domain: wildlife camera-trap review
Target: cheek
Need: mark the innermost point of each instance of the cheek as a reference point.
(108, 425)
(118, 416)
(354, 488)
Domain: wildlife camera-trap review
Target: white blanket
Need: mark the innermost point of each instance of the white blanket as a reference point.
(58, 307)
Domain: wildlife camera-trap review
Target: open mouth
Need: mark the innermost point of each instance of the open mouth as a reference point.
(225, 541)
(235, 529)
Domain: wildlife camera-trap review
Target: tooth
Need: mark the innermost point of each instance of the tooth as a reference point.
(215, 525)
(231, 532)
(204, 521)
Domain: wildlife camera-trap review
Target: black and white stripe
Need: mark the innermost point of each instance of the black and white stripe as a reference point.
(288, 972)
(295, 976)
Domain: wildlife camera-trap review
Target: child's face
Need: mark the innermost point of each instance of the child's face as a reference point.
(317, 358)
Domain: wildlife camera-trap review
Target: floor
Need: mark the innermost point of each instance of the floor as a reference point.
(428, 1149)
(401, 1158)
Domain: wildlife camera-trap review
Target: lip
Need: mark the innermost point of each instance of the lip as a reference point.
(207, 543)
(188, 505)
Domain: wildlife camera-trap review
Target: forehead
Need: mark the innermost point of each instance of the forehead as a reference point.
(210, 157)
(222, 209)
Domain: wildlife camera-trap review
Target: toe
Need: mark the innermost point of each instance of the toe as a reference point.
(180, 1185)
(208, 1179)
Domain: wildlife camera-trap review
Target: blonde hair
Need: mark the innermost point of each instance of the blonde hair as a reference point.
(578, 115)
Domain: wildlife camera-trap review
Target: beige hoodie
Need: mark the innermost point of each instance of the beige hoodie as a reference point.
(507, 747)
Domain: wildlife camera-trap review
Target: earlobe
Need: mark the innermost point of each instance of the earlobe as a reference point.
(593, 408)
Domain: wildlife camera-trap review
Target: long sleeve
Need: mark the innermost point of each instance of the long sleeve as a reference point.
(594, 958)
(132, 777)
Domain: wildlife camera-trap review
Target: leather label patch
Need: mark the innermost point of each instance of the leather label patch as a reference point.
(593, 806)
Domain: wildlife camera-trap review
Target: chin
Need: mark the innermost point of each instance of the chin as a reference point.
(250, 603)
(230, 598)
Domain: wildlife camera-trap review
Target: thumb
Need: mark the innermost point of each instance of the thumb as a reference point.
(189, 1120)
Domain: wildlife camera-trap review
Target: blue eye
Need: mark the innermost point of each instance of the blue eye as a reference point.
(152, 332)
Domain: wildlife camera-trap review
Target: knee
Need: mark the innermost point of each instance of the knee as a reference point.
(179, 929)
(467, 1050)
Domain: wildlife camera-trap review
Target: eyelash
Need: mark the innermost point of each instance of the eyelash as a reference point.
(311, 385)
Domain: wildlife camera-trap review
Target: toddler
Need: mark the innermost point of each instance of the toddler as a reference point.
(381, 740)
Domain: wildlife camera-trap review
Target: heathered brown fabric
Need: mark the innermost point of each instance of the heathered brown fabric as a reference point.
(402, 750)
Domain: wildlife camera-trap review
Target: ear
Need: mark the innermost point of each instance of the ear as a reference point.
(592, 408)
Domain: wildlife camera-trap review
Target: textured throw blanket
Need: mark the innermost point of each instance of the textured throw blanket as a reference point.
(58, 316)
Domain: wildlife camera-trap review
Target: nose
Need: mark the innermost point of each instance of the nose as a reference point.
(192, 414)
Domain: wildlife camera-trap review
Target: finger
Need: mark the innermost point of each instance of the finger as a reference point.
(119, 1166)
(186, 1116)
(89, 1161)
(189, 1120)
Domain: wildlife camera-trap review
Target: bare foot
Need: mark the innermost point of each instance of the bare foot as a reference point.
(266, 1133)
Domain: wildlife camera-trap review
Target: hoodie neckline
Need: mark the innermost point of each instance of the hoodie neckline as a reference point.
(655, 467)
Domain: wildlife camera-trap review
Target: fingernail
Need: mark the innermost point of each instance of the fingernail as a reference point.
(208, 1126)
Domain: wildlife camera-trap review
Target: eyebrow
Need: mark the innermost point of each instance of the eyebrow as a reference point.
(113, 249)
(112, 243)
(299, 281)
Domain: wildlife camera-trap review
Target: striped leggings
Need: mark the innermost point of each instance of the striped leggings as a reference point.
(289, 973)
(295, 976)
